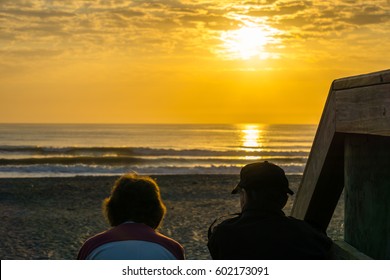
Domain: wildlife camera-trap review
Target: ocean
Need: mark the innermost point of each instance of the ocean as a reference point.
(55, 150)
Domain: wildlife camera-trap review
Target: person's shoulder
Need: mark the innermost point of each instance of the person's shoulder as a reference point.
(304, 224)
(168, 240)
(310, 229)
(98, 237)
(295, 220)
(170, 244)
(91, 243)
(222, 222)
(226, 220)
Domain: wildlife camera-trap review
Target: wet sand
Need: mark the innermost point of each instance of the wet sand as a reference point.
(50, 218)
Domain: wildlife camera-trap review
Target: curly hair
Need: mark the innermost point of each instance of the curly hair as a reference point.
(134, 198)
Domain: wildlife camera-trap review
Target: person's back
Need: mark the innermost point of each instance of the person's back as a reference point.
(262, 230)
(257, 235)
(131, 241)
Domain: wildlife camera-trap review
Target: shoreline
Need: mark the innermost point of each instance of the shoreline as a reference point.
(50, 218)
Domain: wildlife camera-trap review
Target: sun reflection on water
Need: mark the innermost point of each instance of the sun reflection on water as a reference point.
(251, 140)
(251, 136)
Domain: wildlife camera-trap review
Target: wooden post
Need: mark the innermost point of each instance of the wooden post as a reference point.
(367, 194)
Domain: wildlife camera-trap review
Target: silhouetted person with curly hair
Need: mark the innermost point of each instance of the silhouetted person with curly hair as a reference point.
(134, 210)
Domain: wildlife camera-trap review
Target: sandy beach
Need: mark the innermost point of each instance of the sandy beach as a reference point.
(50, 218)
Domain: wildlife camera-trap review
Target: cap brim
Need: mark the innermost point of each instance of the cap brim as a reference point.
(236, 189)
(289, 191)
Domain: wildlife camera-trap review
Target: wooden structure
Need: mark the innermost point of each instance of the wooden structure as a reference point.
(351, 151)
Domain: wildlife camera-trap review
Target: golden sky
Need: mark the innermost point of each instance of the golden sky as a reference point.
(183, 61)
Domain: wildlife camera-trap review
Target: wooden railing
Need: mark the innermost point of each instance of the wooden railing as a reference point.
(351, 151)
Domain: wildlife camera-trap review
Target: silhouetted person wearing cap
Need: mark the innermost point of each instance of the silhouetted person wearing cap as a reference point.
(262, 230)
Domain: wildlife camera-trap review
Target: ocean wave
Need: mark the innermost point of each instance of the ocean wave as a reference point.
(124, 160)
(57, 170)
(146, 151)
(71, 150)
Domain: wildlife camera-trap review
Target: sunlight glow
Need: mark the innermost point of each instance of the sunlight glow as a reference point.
(249, 42)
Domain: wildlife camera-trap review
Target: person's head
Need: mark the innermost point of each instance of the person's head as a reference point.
(134, 198)
(263, 184)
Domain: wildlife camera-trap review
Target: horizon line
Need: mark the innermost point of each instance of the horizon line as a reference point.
(148, 123)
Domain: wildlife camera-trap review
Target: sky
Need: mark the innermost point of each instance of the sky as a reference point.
(183, 61)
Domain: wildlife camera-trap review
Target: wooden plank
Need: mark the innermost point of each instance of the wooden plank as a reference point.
(367, 194)
(386, 77)
(364, 110)
(329, 186)
(354, 104)
(341, 250)
(361, 80)
(316, 160)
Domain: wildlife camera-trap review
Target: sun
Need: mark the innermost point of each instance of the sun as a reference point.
(248, 42)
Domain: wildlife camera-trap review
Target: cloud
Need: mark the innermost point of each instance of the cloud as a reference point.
(6, 36)
(128, 13)
(36, 13)
(369, 14)
(363, 19)
(19, 3)
(214, 22)
(259, 2)
(349, 1)
(281, 8)
(161, 27)
(325, 19)
(37, 53)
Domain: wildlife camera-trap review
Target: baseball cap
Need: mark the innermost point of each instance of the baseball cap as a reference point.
(263, 175)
